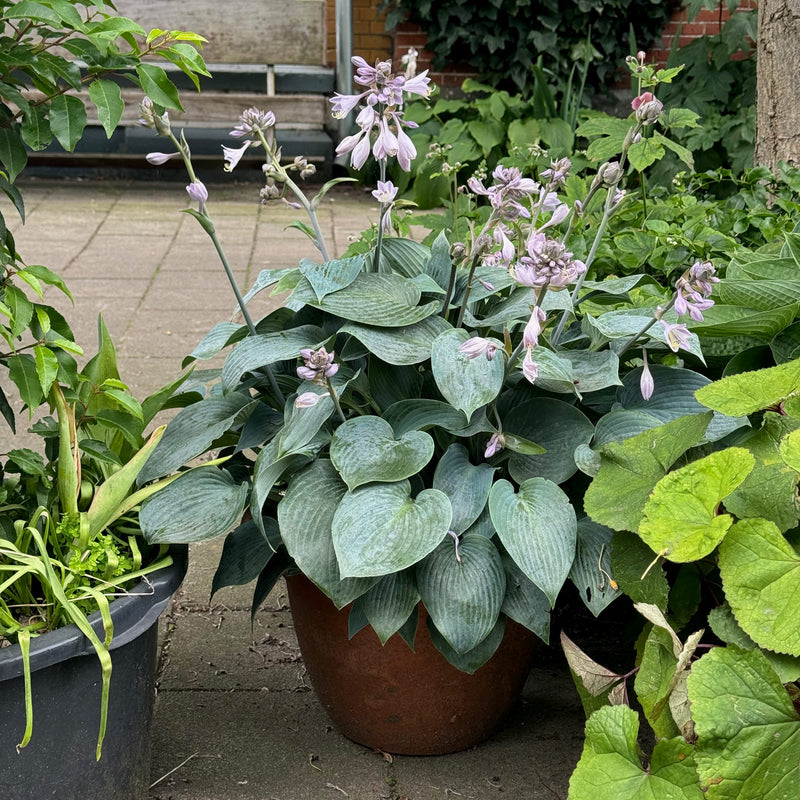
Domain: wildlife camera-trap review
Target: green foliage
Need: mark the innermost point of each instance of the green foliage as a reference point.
(502, 39)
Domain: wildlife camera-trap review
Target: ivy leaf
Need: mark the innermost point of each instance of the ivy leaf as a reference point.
(610, 768)
(680, 517)
(761, 575)
(748, 745)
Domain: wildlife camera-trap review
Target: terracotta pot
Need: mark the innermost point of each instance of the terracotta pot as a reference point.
(396, 700)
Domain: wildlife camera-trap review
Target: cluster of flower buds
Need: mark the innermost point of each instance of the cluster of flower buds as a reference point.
(151, 119)
(556, 176)
(318, 365)
(301, 165)
(693, 290)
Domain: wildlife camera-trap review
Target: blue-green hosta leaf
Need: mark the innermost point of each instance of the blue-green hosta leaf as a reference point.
(525, 602)
(402, 346)
(554, 373)
(474, 659)
(374, 299)
(422, 414)
(245, 553)
(191, 433)
(623, 424)
(610, 767)
(216, 339)
(556, 426)
(467, 384)
(380, 528)
(593, 371)
(675, 395)
(463, 589)
(762, 295)
(631, 468)
(748, 745)
(538, 528)
(255, 352)
(466, 484)
(591, 570)
(680, 519)
(738, 321)
(301, 425)
(748, 392)
(760, 573)
(305, 515)
(365, 449)
(389, 603)
(332, 275)
(405, 256)
(200, 504)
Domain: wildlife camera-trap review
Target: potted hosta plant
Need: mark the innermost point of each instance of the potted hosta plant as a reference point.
(80, 590)
(415, 428)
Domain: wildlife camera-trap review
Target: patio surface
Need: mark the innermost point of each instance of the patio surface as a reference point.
(236, 718)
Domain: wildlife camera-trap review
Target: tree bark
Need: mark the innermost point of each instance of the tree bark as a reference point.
(778, 92)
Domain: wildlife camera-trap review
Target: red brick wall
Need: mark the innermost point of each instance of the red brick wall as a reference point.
(372, 42)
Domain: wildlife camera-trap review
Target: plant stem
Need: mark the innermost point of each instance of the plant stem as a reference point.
(381, 211)
(335, 398)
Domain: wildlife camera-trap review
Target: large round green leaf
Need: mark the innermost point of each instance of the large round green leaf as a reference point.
(200, 504)
(555, 425)
(538, 528)
(466, 484)
(467, 384)
(761, 576)
(364, 449)
(380, 528)
(680, 517)
(463, 589)
(748, 745)
(305, 515)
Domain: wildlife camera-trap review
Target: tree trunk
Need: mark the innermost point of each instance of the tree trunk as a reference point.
(778, 100)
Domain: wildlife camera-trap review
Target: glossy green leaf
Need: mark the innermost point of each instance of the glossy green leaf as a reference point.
(463, 589)
(13, 155)
(466, 484)
(46, 367)
(305, 515)
(610, 767)
(680, 517)
(634, 571)
(380, 528)
(538, 528)
(365, 449)
(748, 745)
(631, 468)
(466, 383)
(23, 373)
(107, 97)
(760, 572)
(245, 554)
(653, 681)
(157, 86)
(747, 392)
(200, 504)
(67, 120)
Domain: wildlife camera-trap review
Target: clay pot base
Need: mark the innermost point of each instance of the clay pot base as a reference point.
(396, 700)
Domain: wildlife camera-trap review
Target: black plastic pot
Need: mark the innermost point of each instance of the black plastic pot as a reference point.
(59, 762)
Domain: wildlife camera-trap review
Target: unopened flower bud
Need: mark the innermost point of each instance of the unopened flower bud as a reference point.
(647, 108)
(494, 445)
(458, 251)
(309, 399)
(610, 173)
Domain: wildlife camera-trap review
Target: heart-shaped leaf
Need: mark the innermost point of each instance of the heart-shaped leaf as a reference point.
(332, 275)
(466, 484)
(474, 659)
(463, 589)
(364, 449)
(538, 528)
(389, 603)
(761, 575)
(466, 383)
(305, 515)
(380, 528)
(680, 518)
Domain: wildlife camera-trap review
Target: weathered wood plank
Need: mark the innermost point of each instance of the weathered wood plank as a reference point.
(241, 31)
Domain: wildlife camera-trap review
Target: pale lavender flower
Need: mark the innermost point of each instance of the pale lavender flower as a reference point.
(610, 173)
(646, 384)
(508, 190)
(385, 193)
(197, 191)
(478, 346)
(678, 335)
(557, 174)
(693, 290)
(406, 152)
(486, 285)
(692, 302)
(157, 159)
(251, 121)
(309, 399)
(494, 445)
(547, 263)
(530, 336)
(318, 365)
(560, 213)
(233, 155)
(507, 252)
(530, 369)
(619, 196)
